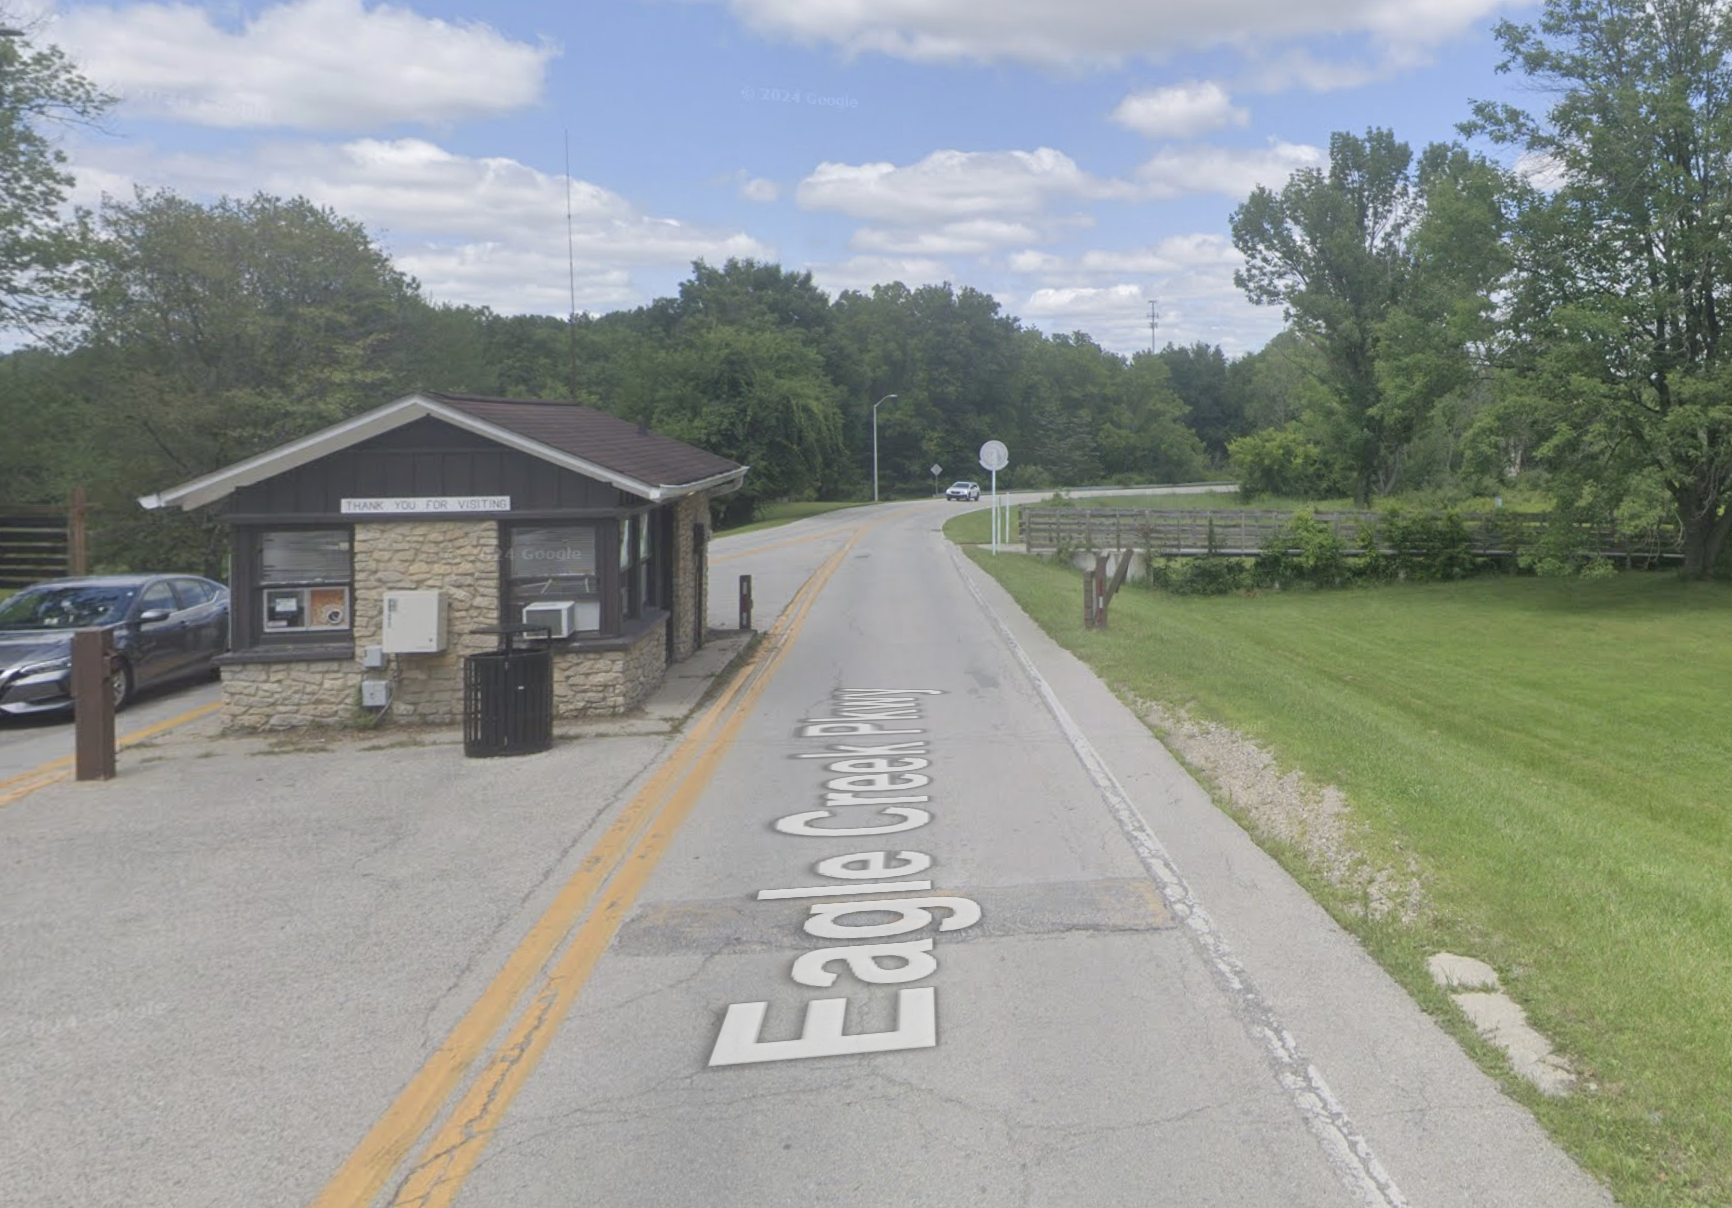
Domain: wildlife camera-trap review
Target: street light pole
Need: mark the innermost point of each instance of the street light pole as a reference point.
(875, 407)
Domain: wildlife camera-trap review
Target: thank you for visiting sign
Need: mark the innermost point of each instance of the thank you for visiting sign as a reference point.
(423, 505)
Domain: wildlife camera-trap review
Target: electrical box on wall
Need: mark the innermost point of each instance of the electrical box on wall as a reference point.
(414, 622)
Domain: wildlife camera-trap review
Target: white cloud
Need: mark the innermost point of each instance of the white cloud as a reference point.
(1541, 170)
(1070, 33)
(483, 231)
(1107, 293)
(1296, 67)
(863, 272)
(758, 188)
(951, 239)
(304, 64)
(1228, 171)
(1181, 111)
(952, 186)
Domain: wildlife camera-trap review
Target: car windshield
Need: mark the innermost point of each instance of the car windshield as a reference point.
(70, 607)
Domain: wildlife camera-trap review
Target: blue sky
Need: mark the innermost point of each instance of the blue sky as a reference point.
(1078, 159)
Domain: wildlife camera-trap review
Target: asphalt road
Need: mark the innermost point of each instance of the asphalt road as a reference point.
(918, 915)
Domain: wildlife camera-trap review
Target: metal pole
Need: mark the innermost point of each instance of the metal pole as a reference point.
(875, 407)
(995, 512)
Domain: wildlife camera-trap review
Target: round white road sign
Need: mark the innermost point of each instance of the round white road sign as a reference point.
(994, 456)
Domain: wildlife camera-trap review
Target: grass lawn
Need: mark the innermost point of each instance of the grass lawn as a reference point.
(974, 527)
(772, 515)
(1553, 755)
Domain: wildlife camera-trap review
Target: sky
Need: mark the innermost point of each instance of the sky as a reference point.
(1077, 159)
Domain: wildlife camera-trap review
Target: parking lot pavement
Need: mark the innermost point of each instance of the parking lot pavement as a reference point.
(204, 963)
(27, 743)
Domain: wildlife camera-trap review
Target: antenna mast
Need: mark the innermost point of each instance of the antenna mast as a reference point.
(1154, 322)
(570, 269)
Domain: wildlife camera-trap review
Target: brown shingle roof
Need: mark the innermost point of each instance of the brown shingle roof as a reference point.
(608, 441)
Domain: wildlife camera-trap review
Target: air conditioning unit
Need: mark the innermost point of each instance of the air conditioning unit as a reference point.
(558, 615)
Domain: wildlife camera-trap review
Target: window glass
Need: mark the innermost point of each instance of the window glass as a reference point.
(553, 564)
(553, 560)
(304, 580)
(158, 595)
(65, 607)
(304, 556)
(193, 592)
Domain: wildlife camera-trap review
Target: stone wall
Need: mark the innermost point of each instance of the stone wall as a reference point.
(288, 696)
(590, 683)
(687, 603)
(458, 558)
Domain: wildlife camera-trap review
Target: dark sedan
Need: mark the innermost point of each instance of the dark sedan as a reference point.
(166, 627)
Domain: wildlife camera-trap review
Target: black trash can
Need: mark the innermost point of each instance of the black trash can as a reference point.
(508, 696)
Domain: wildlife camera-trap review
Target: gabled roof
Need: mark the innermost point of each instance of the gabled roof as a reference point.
(577, 438)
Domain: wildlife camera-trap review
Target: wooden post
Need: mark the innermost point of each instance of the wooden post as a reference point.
(93, 703)
(1088, 582)
(1100, 589)
(77, 548)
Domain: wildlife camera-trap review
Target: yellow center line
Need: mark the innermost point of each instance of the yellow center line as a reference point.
(54, 771)
(387, 1144)
(451, 1155)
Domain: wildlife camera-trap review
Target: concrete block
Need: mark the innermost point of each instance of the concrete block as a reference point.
(1461, 972)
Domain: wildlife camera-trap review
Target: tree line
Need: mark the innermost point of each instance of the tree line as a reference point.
(1454, 325)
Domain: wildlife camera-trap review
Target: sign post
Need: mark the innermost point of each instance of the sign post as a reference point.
(994, 457)
(936, 471)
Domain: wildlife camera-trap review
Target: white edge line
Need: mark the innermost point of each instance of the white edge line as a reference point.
(1343, 1146)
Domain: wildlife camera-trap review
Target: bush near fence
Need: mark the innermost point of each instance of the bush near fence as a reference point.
(1394, 535)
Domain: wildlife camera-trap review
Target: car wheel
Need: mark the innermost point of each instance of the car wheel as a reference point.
(122, 683)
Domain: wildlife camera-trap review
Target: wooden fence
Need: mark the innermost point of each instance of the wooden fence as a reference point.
(1243, 532)
(39, 543)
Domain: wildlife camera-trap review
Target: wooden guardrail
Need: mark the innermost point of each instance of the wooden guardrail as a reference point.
(1186, 532)
(39, 543)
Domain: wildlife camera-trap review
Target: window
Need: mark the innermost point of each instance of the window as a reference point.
(638, 546)
(193, 592)
(305, 579)
(158, 597)
(553, 564)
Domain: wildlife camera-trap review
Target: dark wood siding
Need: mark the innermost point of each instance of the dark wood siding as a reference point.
(426, 457)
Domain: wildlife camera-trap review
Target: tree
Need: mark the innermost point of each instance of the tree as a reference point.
(759, 396)
(215, 332)
(1147, 435)
(1626, 264)
(39, 89)
(751, 293)
(1330, 248)
(1199, 376)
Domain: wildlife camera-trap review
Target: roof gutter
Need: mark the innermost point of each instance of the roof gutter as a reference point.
(731, 479)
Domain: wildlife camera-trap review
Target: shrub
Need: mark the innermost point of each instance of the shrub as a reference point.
(1305, 550)
(1428, 547)
(1280, 462)
(1209, 575)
